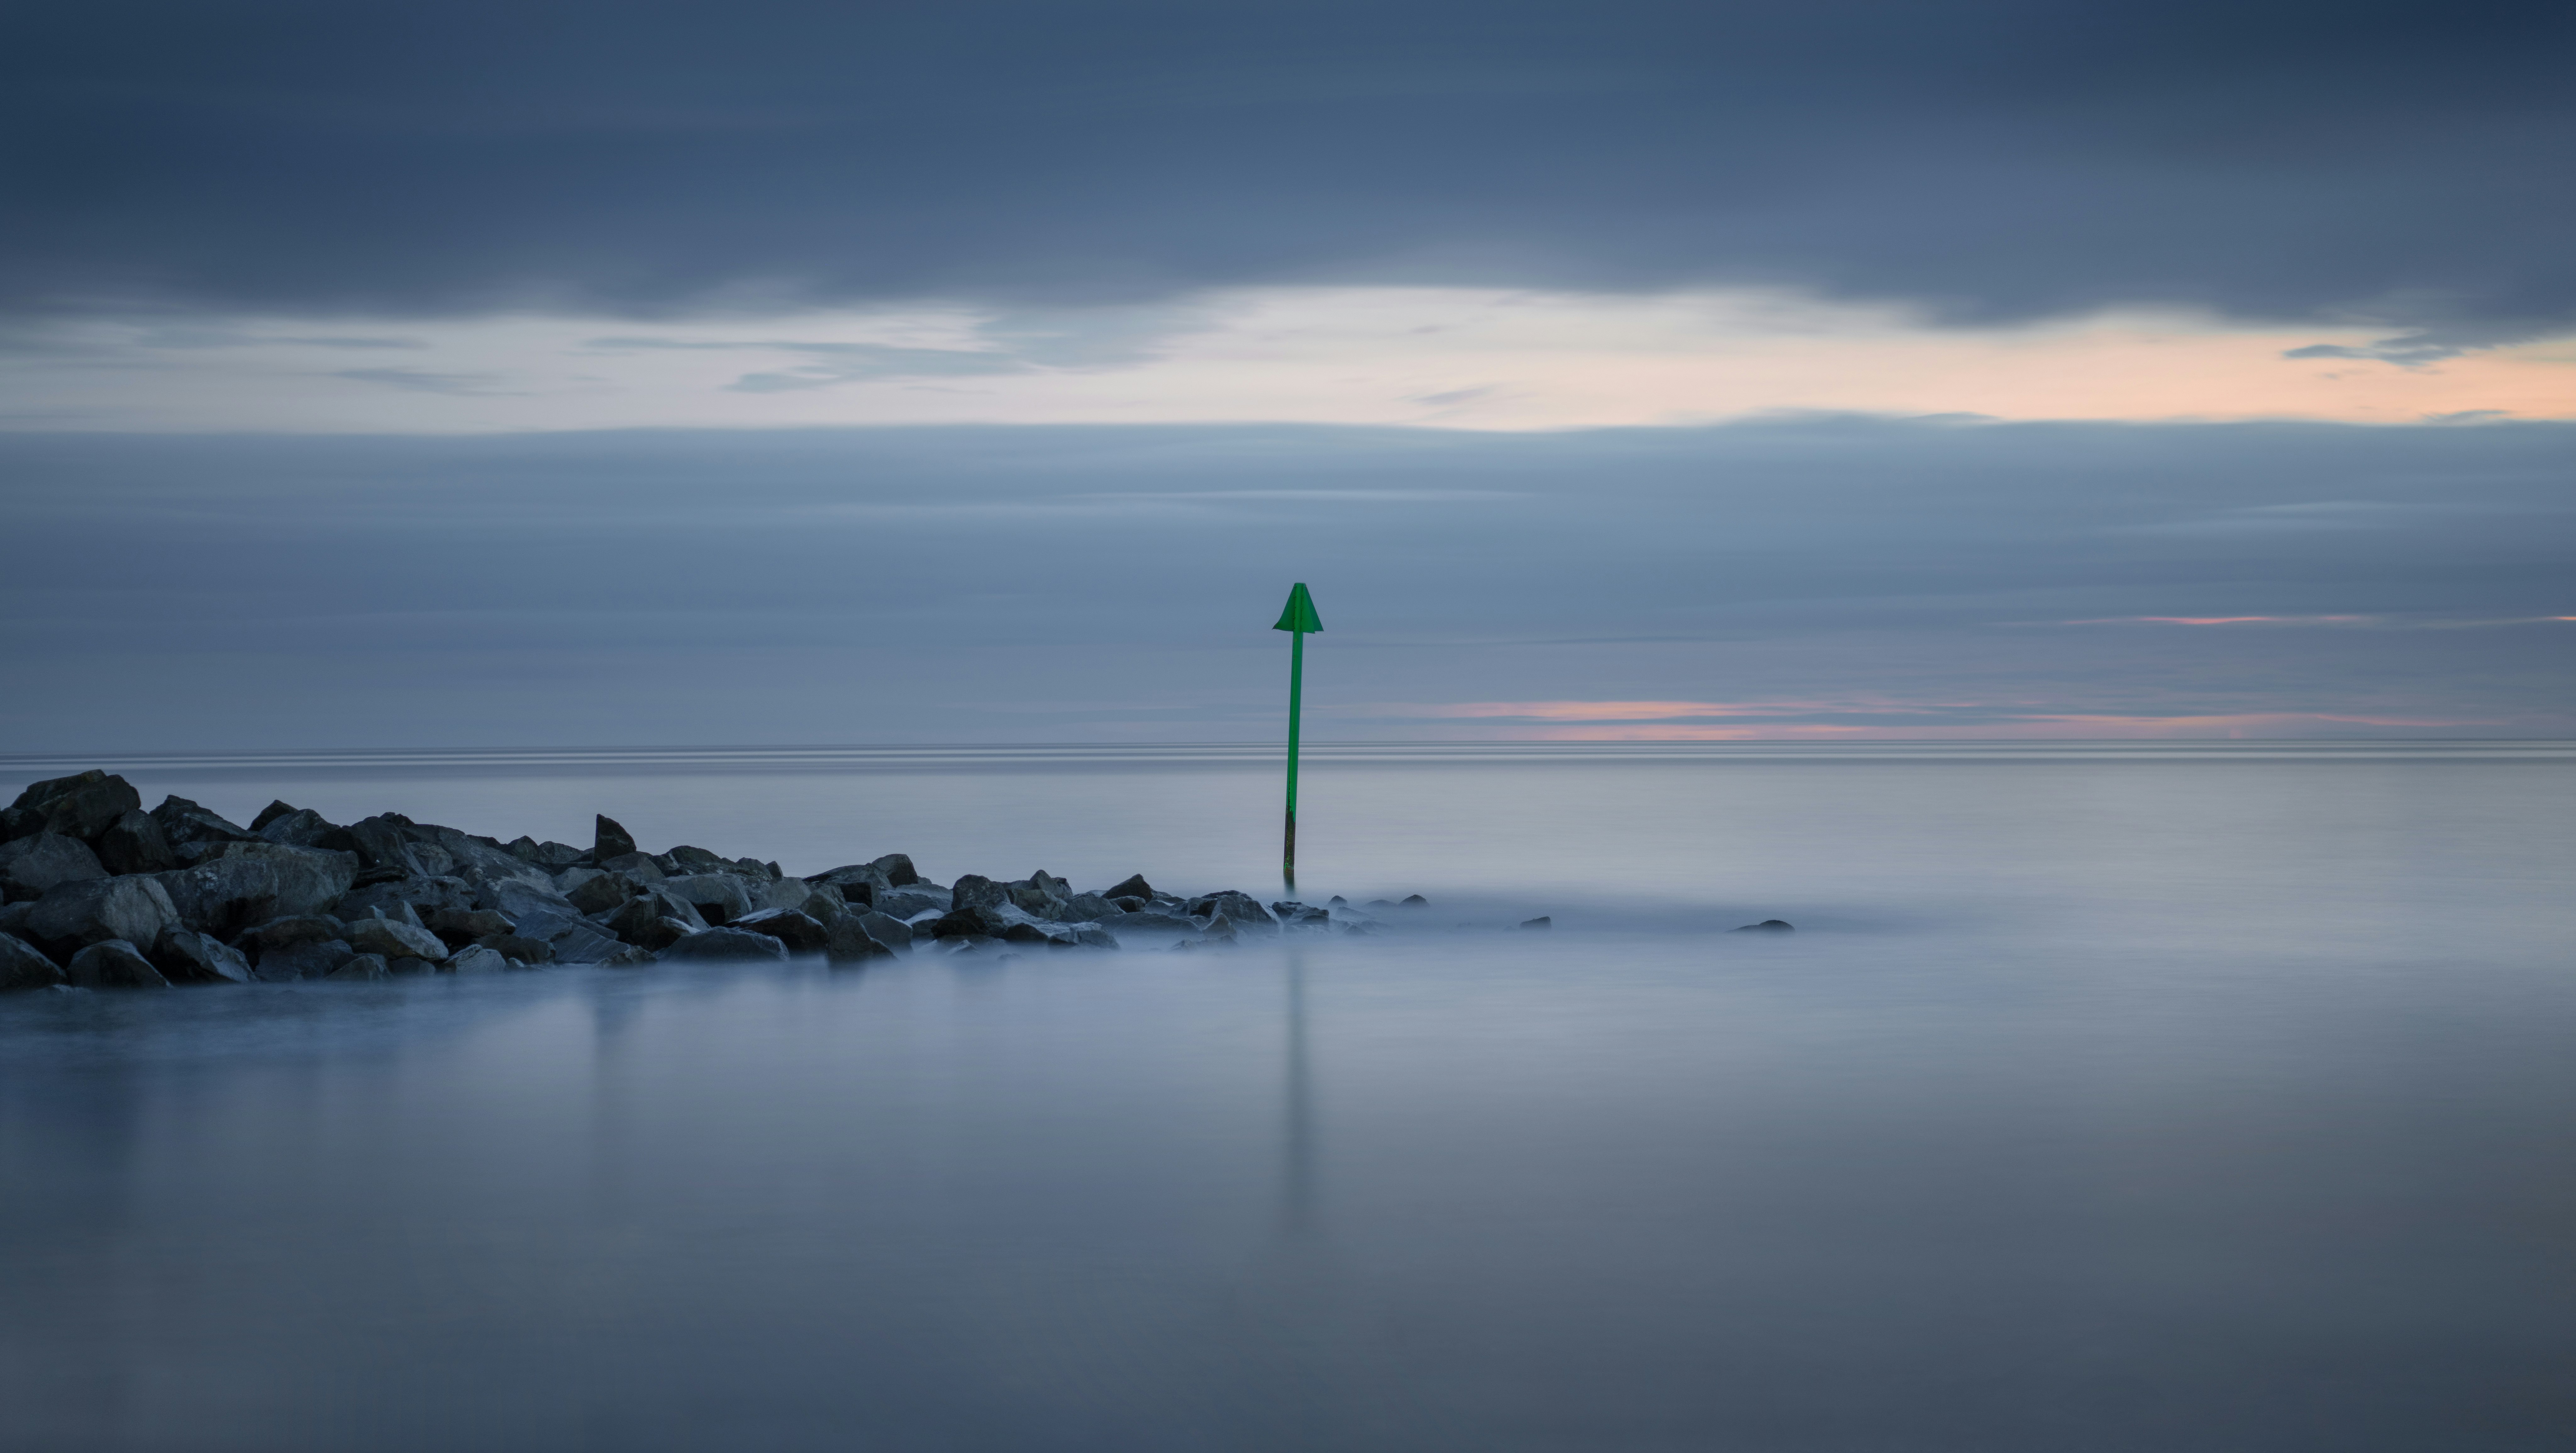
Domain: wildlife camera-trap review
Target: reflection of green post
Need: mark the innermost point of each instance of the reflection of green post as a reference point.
(1297, 619)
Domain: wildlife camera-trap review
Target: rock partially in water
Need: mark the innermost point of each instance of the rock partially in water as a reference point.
(99, 910)
(186, 956)
(893, 932)
(309, 960)
(1543, 921)
(725, 945)
(851, 941)
(1768, 925)
(801, 934)
(363, 967)
(476, 959)
(390, 940)
(1242, 910)
(22, 967)
(32, 864)
(113, 964)
(1134, 887)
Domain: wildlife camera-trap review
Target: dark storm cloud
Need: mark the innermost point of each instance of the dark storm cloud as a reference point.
(2406, 163)
(1045, 583)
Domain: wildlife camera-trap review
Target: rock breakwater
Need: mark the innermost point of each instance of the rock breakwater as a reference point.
(96, 892)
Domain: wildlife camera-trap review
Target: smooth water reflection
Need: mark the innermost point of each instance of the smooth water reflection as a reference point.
(2227, 1107)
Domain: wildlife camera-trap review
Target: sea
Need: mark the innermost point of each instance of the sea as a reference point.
(2105, 1096)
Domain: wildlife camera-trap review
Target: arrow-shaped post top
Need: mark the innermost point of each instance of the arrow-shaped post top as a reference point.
(1299, 616)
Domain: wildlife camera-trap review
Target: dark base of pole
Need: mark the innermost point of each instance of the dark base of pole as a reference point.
(1288, 855)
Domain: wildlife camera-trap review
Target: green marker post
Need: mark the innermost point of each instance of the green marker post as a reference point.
(1297, 619)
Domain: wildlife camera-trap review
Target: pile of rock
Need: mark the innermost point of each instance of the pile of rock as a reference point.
(96, 892)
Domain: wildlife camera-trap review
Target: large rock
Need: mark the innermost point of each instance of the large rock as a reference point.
(247, 883)
(305, 828)
(850, 942)
(1241, 909)
(184, 822)
(898, 869)
(601, 892)
(186, 956)
(572, 940)
(894, 933)
(407, 898)
(636, 867)
(1134, 887)
(520, 899)
(395, 940)
(95, 910)
(608, 840)
(912, 902)
(383, 847)
(801, 934)
(974, 890)
(476, 959)
(641, 924)
(529, 951)
(32, 864)
(461, 926)
(554, 857)
(858, 883)
(718, 897)
(362, 967)
(725, 944)
(1090, 908)
(21, 967)
(309, 960)
(134, 844)
(113, 964)
(277, 807)
(82, 806)
(1040, 895)
(965, 923)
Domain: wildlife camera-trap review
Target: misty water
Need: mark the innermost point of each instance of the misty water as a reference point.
(2106, 1097)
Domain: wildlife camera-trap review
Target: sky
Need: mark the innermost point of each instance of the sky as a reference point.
(646, 374)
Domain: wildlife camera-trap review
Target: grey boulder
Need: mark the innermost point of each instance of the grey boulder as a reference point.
(724, 944)
(83, 805)
(851, 942)
(1241, 909)
(21, 967)
(894, 933)
(186, 956)
(97, 910)
(246, 883)
(134, 844)
(312, 959)
(185, 822)
(391, 940)
(413, 898)
(113, 964)
(718, 897)
(801, 934)
(974, 890)
(460, 926)
(521, 899)
(362, 966)
(912, 902)
(1134, 887)
(609, 840)
(601, 893)
(32, 864)
(476, 959)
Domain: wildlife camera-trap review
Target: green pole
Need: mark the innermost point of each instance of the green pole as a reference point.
(1297, 619)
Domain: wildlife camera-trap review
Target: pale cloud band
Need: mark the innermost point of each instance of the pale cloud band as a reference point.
(1452, 358)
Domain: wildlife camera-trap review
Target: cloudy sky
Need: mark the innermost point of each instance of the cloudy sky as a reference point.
(558, 374)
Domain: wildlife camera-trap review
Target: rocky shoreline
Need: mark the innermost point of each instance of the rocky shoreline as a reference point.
(97, 893)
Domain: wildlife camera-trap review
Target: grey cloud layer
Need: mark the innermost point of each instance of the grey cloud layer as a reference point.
(1055, 583)
(1989, 157)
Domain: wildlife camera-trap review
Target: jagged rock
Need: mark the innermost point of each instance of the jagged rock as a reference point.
(783, 893)
(914, 901)
(113, 964)
(34, 863)
(801, 934)
(824, 905)
(898, 869)
(482, 862)
(362, 967)
(725, 944)
(636, 867)
(1242, 909)
(13, 917)
(639, 920)
(1768, 925)
(718, 897)
(383, 847)
(1033, 933)
(1134, 887)
(457, 927)
(83, 805)
(287, 931)
(1089, 908)
(22, 967)
(850, 941)
(391, 940)
(250, 882)
(434, 860)
(1125, 904)
(572, 940)
(410, 899)
(959, 923)
(1092, 935)
(698, 860)
(894, 933)
(275, 809)
(134, 844)
(601, 894)
(95, 910)
(1542, 921)
(183, 822)
(858, 883)
(608, 840)
(521, 947)
(305, 828)
(974, 890)
(521, 899)
(301, 961)
(1300, 915)
(186, 956)
(476, 959)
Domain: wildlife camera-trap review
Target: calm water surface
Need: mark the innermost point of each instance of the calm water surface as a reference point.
(2107, 1098)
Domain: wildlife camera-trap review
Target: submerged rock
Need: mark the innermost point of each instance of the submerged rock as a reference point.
(113, 964)
(725, 944)
(1768, 925)
(1543, 921)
